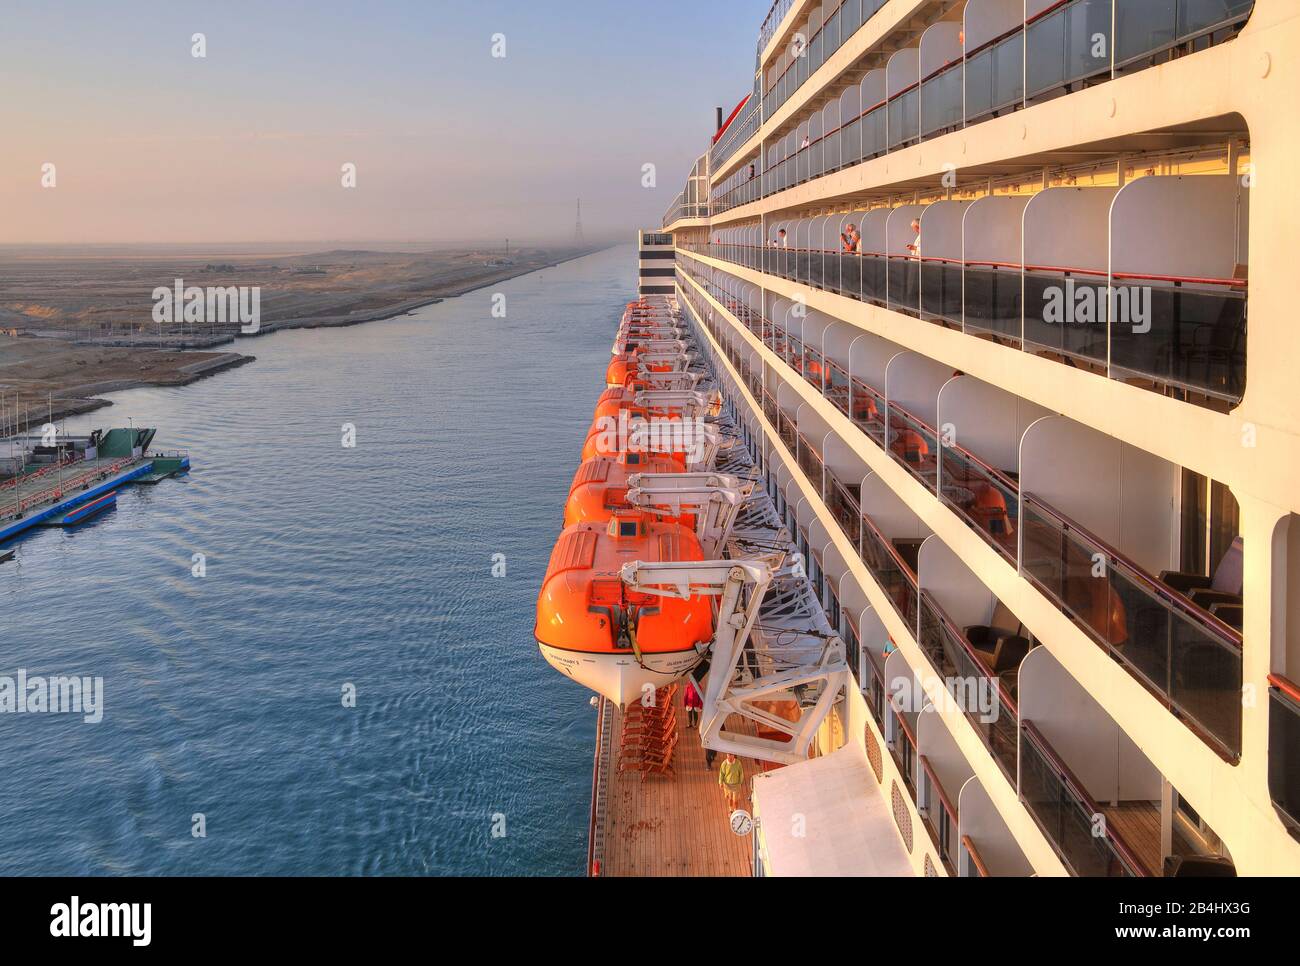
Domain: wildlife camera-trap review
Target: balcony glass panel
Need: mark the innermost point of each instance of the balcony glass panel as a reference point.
(1066, 813)
(913, 444)
(1183, 655)
(965, 676)
(851, 275)
(1196, 337)
(1066, 312)
(844, 507)
(995, 78)
(1068, 45)
(868, 411)
(904, 118)
(1284, 751)
(941, 101)
(1144, 27)
(985, 498)
(941, 290)
(992, 300)
(874, 269)
(895, 577)
(873, 133)
(837, 388)
(905, 284)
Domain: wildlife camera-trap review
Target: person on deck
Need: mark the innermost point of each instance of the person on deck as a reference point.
(694, 705)
(731, 775)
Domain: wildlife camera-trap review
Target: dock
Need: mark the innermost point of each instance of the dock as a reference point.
(60, 494)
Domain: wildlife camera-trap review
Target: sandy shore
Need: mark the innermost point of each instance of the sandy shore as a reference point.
(83, 325)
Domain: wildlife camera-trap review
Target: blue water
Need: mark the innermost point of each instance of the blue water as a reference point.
(325, 566)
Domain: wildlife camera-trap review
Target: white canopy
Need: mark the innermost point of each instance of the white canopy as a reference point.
(826, 817)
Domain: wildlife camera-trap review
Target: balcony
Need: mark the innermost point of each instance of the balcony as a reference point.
(958, 75)
(1284, 750)
(822, 36)
(1048, 735)
(1132, 294)
(1068, 815)
(1176, 642)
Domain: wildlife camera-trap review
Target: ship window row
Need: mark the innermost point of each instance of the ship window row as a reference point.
(981, 60)
(1094, 795)
(1149, 285)
(1144, 556)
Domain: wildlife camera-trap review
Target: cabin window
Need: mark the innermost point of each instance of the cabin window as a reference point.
(627, 528)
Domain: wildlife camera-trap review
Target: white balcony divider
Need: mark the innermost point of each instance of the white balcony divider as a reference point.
(979, 821)
(1104, 759)
(1123, 495)
(961, 594)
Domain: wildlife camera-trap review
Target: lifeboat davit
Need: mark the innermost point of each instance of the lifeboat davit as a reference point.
(614, 639)
(628, 365)
(599, 488)
(632, 431)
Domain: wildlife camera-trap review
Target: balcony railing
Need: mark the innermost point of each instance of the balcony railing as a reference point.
(984, 697)
(985, 497)
(1068, 815)
(892, 573)
(939, 812)
(1284, 749)
(1185, 334)
(976, 869)
(1185, 656)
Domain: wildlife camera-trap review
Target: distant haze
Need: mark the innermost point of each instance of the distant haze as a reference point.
(451, 145)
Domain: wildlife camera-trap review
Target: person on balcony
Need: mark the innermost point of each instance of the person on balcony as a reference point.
(780, 240)
(915, 247)
(850, 238)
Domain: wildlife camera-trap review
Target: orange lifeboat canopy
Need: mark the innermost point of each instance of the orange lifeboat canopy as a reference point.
(614, 639)
(599, 488)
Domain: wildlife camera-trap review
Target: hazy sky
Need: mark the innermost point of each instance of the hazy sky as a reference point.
(151, 144)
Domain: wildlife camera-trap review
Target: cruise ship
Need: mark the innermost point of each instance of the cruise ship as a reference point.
(971, 280)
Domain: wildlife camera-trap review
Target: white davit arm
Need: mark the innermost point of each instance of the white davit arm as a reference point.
(714, 499)
(731, 688)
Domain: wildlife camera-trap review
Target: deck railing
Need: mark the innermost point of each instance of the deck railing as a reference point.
(1068, 815)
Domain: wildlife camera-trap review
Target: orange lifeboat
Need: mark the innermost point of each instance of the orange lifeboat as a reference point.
(614, 639)
(599, 487)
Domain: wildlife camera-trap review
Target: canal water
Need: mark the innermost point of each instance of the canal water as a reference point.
(376, 567)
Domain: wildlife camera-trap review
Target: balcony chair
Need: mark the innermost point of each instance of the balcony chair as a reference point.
(1002, 627)
(1225, 587)
(1007, 654)
(1199, 867)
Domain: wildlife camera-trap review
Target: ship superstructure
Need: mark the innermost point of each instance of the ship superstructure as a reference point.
(973, 279)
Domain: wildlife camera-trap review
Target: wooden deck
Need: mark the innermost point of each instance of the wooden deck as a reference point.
(671, 825)
(1138, 823)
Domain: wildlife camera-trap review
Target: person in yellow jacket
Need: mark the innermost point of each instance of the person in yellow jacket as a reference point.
(731, 775)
